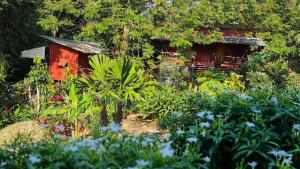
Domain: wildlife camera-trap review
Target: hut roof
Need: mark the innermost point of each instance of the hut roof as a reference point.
(231, 40)
(81, 46)
(243, 41)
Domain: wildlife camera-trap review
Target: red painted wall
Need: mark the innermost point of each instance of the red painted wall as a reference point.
(62, 57)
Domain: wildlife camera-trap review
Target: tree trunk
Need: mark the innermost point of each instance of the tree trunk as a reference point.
(38, 95)
(118, 116)
(103, 116)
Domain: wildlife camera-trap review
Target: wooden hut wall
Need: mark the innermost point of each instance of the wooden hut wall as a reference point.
(62, 57)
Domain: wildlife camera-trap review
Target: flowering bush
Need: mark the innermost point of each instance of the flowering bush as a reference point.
(108, 149)
(234, 127)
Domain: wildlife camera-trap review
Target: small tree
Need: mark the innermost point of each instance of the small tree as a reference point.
(127, 82)
(37, 78)
(117, 81)
(72, 108)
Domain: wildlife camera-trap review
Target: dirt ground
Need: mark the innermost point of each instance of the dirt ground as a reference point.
(134, 124)
(28, 129)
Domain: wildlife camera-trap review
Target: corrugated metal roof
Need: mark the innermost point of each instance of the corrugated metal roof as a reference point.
(230, 40)
(81, 46)
(243, 41)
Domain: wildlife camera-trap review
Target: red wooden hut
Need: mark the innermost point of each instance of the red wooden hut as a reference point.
(225, 54)
(69, 54)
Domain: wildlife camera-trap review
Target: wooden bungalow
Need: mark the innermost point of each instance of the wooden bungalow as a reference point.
(69, 54)
(226, 54)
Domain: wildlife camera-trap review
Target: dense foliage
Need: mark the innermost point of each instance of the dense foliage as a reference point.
(232, 129)
(125, 27)
(249, 118)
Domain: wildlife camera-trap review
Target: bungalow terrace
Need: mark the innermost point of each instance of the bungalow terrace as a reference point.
(226, 54)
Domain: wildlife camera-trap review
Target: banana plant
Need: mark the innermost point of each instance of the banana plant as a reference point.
(74, 106)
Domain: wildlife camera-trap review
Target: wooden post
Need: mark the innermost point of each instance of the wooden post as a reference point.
(38, 99)
(29, 95)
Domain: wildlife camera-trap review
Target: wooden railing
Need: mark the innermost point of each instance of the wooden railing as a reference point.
(201, 66)
(230, 62)
(169, 54)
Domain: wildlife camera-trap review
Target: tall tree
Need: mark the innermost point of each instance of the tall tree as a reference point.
(19, 31)
(125, 27)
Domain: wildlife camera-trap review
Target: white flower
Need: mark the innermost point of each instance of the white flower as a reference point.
(203, 133)
(244, 96)
(204, 124)
(60, 128)
(104, 128)
(249, 124)
(296, 103)
(100, 139)
(34, 159)
(132, 168)
(280, 153)
(3, 163)
(206, 159)
(192, 131)
(91, 144)
(296, 127)
(274, 100)
(57, 136)
(176, 114)
(142, 163)
(210, 117)
(252, 164)
(133, 139)
(192, 139)
(146, 141)
(115, 127)
(287, 161)
(179, 132)
(201, 114)
(71, 148)
(168, 135)
(166, 150)
(255, 110)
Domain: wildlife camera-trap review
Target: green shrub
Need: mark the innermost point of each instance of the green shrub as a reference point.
(233, 82)
(278, 71)
(211, 74)
(211, 87)
(163, 101)
(259, 80)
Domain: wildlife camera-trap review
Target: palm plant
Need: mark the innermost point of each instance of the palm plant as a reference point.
(127, 82)
(117, 81)
(99, 83)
